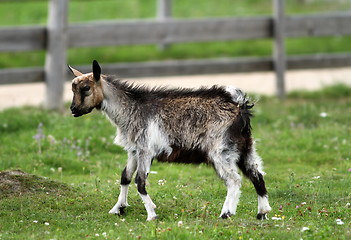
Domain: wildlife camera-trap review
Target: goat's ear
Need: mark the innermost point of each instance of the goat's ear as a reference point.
(74, 71)
(96, 70)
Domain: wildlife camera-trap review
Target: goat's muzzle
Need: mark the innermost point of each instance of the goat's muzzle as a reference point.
(77, 112)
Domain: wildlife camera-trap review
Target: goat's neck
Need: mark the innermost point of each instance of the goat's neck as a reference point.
(116, 105)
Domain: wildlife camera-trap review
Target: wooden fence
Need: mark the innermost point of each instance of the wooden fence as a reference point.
(58, 36)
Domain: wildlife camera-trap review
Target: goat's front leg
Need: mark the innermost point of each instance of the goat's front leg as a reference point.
(149, 205)
(126, 177)
(140, 180)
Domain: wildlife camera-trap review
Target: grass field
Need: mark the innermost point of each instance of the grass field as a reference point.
(15, 13)
(304, 141)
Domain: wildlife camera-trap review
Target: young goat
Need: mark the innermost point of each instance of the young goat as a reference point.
(210, 125)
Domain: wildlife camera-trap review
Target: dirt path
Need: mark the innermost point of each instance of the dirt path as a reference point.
(261, 82)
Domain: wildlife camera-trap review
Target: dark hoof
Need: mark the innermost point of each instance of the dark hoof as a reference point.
(121, 211)
(152, 219)
(261, 216)
(226, 215)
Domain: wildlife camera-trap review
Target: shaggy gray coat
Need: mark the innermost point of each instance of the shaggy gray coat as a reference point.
(210, 125)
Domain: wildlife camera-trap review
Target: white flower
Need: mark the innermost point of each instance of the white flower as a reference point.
(304, 229)
(47, 224)
(339, 222)
(104, 234)
(51, 139)
(323, 114)
(276, 218)
(316, 177)
(35, 221)
(180, 223)
(161, 182)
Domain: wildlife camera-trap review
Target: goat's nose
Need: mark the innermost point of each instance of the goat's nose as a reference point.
(72, 107)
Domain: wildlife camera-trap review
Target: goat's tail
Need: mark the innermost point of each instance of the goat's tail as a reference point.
(245, 105)
(240, 98)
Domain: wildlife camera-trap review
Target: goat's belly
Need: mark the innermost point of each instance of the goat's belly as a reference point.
(182, 155)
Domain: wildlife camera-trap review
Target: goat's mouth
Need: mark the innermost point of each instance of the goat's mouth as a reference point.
(81, 113)
(76, 114)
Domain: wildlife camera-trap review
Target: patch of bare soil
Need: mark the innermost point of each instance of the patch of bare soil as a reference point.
(17, 182)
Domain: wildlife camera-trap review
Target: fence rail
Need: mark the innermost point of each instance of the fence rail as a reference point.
(189, 67)
(165, 30)
(133, 32)
(16, 39)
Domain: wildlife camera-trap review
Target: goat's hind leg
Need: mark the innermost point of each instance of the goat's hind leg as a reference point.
(252, 168)
(233, 183)
(225, 166)
(126, 177)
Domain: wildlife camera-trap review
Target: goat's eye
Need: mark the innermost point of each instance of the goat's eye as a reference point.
(86, 88)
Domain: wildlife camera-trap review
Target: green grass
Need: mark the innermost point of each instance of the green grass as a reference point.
(306, 155)
(16, 13)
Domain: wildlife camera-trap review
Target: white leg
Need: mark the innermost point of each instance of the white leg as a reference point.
(144, 165)
(122, 201)
(263, 207)
(253, 169)
(126, 177)
(149, 206)
(232, 199)
(225, 165)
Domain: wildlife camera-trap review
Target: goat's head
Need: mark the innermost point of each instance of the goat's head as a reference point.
(87, 91)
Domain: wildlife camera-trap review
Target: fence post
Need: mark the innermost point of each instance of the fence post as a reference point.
(55, 62)
(279, 46)
(164, 11)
